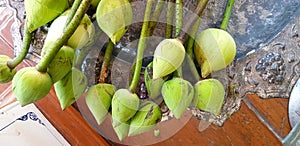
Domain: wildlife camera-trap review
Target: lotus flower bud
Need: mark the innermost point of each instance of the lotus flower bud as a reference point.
(30, 85)
(98, 99)
(70, 88)
(49, 9)
(113, 16)
(6, 74)
(153, 86)
(215, 49)
(145, 119)
(61, 64)
(168, 56)
(121, 128)
(178, 95)
(83, 35)
(209, 95)
(124, 105)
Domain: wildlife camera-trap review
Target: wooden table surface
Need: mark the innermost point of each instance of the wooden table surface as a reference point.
(243, 128)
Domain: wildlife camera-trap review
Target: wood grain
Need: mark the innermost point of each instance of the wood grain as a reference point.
(274, 111)
(243, 128)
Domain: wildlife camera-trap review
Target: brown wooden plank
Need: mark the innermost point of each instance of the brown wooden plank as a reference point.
(274, 111)
(243, 128)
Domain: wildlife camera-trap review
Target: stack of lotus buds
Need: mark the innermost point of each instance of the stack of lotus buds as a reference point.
(71, 30)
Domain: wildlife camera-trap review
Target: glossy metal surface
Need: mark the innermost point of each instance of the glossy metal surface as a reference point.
(294, 105)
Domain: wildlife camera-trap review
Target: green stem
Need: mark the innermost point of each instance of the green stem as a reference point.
(67, 33)
(106, 61)
(191, 39)
(155, 16)
(178, 17)
(190, 52)
(141, 47)
(169, 25)
(24, 50)
(227, 14)
(199, 10)
(73, 11)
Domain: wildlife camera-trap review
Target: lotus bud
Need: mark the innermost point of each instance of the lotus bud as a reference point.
(145, 119)
(98, 99)
(121, 128)
(62, 63)
(30, 85)
(153, 86)
(209, 95)
(70, 88)
(83, 35)
(49, 9)
(168, 56)
(113, 16)
(178, 95)
(6, 74)
(215, 50)
(124, 105)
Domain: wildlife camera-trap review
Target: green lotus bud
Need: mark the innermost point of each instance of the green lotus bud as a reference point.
(98, 99)
(168, 56)
(62, 63)
(121, 128)
(209, 95)
(153, 86)
(145, 119)
(48, 9)
(83, 35)
(178, 95)
(113, 16)
(30, 85)
(6, 74)
(124, 105)
(215, 49)
(70, 88)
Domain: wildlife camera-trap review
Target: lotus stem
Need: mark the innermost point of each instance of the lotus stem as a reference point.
(199, 10)
(178, 17)
(67, 33)
(24, 50)
(227, 14)
(155, 16)
(191, 39)
(169, 26)
(73, 11)
(106, 61)
(190, 50)
(141, 47)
